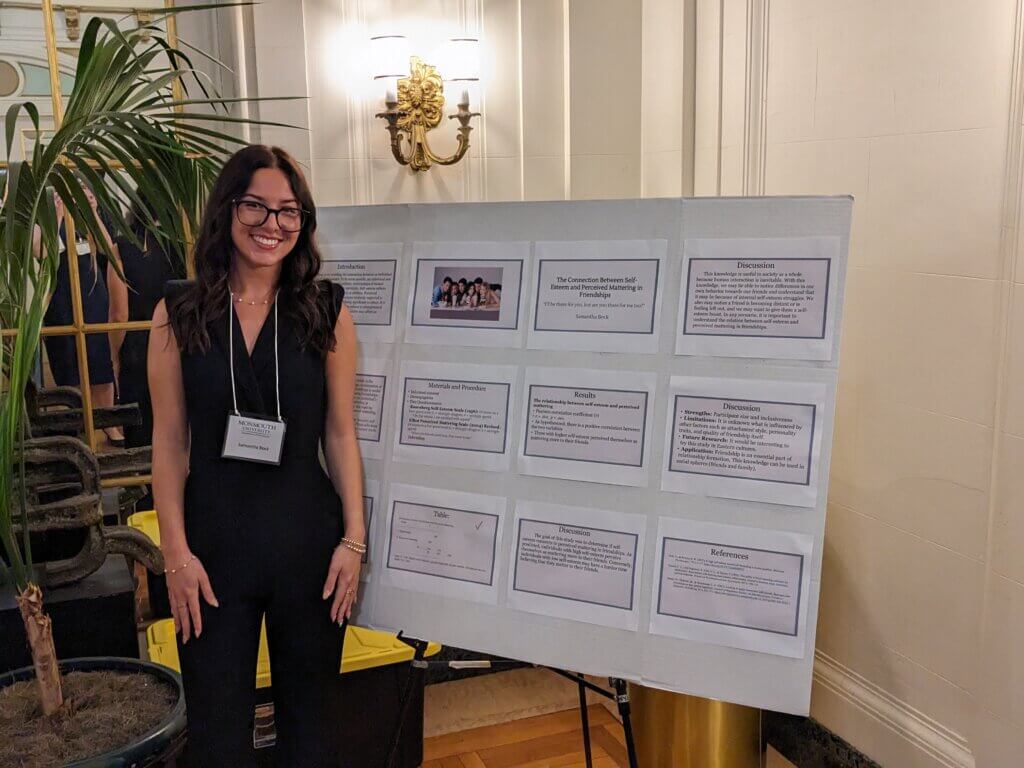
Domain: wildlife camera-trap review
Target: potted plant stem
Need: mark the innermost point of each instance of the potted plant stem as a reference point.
(139, 127)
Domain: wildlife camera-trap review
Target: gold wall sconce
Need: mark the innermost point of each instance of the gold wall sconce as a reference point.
(414, 97)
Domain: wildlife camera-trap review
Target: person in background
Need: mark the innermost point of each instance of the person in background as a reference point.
(60, 350)
(147, 271)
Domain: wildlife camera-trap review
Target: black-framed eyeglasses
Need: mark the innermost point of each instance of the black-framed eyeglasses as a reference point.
(253, 214)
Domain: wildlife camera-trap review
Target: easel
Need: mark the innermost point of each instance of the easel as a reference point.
(621, 696)
(420, 664)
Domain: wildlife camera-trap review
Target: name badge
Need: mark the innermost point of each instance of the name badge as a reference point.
(249, 437)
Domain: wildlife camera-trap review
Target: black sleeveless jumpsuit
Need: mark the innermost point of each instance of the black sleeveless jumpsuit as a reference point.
(265, 535)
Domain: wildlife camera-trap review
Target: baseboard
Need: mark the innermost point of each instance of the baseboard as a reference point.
(930, 739)
(806, 743)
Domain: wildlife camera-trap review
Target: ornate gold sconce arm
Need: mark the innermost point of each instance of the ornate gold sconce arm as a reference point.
(417, 110)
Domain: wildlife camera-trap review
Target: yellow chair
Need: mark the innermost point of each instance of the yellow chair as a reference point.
(364, 649)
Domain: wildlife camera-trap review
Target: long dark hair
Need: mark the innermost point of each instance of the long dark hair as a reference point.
(298, 291)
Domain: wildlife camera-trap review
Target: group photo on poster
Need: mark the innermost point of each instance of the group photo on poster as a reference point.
(467, 293)
(458, 295)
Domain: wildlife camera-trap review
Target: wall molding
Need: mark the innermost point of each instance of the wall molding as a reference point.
(755, 111)
(567, 101)
(474, 170)
(944, 746)
(360, 120)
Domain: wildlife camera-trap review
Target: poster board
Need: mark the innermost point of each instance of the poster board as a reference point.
(689, 557)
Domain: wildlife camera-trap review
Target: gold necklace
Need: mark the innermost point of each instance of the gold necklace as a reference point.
(250, 302)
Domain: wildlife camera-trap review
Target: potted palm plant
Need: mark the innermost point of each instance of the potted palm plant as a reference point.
(128, 136)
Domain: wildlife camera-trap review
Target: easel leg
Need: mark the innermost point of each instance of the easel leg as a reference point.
(416, 667)
(585, 721)
(622, 699)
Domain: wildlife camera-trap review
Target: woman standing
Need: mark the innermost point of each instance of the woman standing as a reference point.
(251, 367)
(60, 350)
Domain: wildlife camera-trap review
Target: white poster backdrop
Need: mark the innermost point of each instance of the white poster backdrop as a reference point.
(702, 667)
(598, 296)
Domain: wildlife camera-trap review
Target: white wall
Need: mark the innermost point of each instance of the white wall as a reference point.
(579, 99)
(914, 107)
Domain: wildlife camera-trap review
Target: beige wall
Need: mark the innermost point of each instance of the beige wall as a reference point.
(911, 107)
(915, 108)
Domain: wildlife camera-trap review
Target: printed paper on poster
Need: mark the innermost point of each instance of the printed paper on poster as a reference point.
(758, 297)
(589, 425)
(457, 416)
(598, 295)
(750, 439)
(368, 272)
(577, 563)
(443, 542)
(731, 585)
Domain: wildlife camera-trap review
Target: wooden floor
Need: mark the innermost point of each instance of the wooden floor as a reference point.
(548, 741)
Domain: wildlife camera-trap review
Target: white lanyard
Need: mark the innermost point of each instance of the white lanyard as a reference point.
(231, 354)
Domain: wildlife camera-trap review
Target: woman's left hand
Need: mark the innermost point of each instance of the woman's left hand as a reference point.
(343, 582)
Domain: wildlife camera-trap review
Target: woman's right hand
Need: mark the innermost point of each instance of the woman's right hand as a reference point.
(183, 588)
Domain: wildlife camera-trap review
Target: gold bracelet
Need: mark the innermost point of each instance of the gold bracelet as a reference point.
(180, 567)
(355, 546)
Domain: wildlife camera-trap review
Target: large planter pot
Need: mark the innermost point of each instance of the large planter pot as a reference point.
(151, 748)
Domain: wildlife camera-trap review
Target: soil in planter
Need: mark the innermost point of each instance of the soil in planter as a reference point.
(102, 711)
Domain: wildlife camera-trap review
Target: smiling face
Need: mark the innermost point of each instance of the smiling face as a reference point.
(265, 245)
